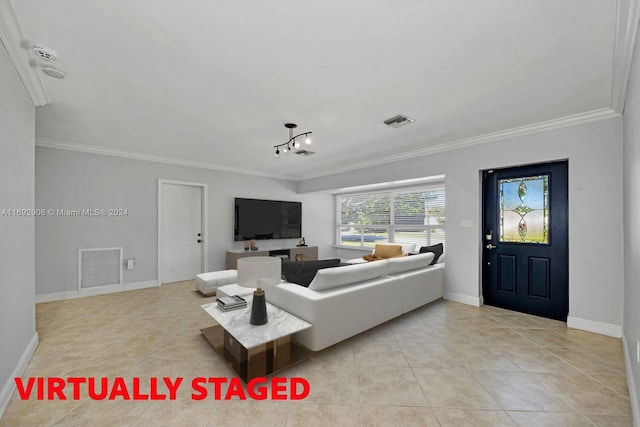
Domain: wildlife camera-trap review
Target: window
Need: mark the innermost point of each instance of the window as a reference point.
(398, 216)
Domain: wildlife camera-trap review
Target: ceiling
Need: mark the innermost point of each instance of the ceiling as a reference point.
(212, 83)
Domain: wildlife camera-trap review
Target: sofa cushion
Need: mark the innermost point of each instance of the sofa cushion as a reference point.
(398, 265)
(303, 272)
(408, 248)
(388, 251)
(329, 278)
(436, 249)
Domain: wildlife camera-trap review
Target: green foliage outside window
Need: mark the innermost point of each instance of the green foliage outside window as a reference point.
(399, 216)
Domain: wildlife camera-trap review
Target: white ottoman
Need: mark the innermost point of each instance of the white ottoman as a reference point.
(234, 289)
(208, 283)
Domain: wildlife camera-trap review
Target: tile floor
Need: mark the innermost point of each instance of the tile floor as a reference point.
(444, 364)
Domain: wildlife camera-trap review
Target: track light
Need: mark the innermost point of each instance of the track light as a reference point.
(293, 140)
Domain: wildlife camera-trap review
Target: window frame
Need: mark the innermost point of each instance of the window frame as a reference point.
(390, 227)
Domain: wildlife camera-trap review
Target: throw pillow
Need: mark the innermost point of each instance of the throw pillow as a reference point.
(436, 249)
(408, 248)
(388, 251)
(303, 272)
(371, 257)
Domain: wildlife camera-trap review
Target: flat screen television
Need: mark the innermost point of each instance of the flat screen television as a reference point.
(267, 219)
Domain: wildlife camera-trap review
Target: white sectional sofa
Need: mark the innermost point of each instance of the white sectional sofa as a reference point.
(344, 301)
(419, 284)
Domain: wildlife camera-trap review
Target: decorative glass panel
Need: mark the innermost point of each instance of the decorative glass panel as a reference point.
(524, 209)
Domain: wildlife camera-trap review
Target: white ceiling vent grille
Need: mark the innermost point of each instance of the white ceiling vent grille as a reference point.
(398, 121)
(99, 267)
(45, 53)
(305, 153)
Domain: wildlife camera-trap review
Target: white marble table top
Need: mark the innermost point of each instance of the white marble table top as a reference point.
(236, 322)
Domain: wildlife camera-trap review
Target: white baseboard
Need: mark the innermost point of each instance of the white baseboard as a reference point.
(10, 385)
(631, 382)
(461, 298)
(597, 327)
(59, 296)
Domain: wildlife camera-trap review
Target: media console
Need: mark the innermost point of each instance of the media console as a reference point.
(309, 252)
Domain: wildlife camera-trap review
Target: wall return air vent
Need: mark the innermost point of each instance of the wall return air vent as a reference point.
(99, 267)
(398, 121)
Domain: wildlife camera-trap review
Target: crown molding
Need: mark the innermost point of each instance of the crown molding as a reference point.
(625, 41)
(575, 119)
(73, 146)
(14, 41)
(591, 116)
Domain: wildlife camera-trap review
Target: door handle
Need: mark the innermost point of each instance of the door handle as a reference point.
(490, 246)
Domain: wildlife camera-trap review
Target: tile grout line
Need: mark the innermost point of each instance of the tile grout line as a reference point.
(471, 316)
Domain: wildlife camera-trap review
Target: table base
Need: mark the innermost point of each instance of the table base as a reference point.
(259, 361)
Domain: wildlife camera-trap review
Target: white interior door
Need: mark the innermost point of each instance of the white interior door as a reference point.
(181, 232)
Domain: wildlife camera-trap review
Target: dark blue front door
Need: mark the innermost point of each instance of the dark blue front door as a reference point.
(525, 239)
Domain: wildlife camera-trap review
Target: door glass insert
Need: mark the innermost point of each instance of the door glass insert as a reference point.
(524, 209)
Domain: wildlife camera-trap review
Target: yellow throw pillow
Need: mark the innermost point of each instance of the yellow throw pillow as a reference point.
(388, 251)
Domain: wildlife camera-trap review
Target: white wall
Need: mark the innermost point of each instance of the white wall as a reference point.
(75, 180)
(594, 151)
(632, 227)
(17, 265)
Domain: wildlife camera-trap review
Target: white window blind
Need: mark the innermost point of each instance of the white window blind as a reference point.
(401, 216)
(419, 217)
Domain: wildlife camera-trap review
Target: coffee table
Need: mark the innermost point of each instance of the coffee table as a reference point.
(255, 350)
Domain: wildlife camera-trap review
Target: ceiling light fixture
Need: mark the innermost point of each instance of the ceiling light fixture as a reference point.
(293, 140)
(54, 72)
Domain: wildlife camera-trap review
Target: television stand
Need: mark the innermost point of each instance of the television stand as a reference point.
(309, 252)
(279, 252)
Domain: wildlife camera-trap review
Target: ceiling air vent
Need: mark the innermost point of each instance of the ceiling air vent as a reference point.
(45, 53)
(398, 121)
(305, 152)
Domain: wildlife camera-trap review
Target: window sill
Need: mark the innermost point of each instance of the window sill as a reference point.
(354, 248)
